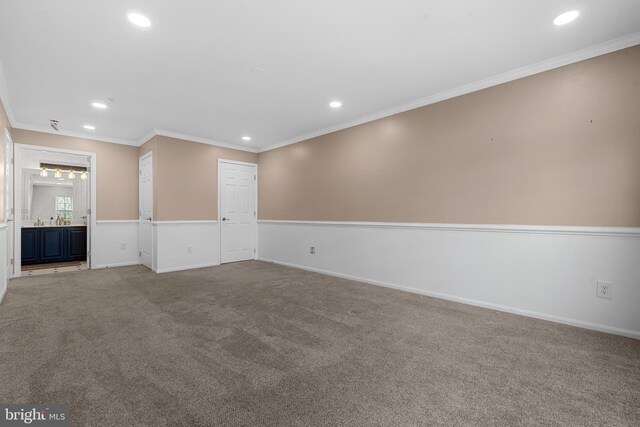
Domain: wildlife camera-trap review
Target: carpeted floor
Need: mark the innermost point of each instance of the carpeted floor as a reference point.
(259, 344)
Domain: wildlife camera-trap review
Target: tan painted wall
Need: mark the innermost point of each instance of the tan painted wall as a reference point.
(557, 148)
(116, 166)
(185, 177)
(4, 124)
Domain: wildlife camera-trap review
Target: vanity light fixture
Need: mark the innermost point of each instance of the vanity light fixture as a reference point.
(566, 17)
(60, 170)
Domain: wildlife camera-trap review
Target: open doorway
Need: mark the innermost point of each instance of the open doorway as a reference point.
(54, 210)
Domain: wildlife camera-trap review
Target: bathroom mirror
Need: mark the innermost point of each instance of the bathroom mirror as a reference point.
(49, 197)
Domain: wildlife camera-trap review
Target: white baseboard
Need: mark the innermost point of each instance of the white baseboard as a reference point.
(118, 264)
(186, 267)
(548, 273)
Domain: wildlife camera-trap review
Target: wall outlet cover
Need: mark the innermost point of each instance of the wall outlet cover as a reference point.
(604, 290)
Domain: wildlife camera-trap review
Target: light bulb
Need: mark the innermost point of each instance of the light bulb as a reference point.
(83, 175)
(58, 173)
(44, 172)
(565, 18)
(72, 175)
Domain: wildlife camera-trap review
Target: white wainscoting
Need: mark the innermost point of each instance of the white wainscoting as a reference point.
(182, 245)
(537, 271)
(116, 244)
(3, 260)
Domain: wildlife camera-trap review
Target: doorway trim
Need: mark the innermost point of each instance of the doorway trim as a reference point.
(17, 191)
(235, 162)
(8, 203)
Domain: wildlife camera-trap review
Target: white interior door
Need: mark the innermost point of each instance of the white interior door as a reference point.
(146, 210)
(237, 187)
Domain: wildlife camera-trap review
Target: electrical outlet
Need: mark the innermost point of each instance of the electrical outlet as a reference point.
(604, 290)
(123, 246)
(188, 249)
(312, 250)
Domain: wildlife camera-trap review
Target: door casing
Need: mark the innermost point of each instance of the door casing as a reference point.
(8, 201)
(17, 179)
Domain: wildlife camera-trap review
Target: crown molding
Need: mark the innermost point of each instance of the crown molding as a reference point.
(146, 138)
(518, 73)
(45, 129)
(138, 143)
(191, 138)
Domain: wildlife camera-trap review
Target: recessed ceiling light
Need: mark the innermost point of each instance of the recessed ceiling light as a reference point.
(246, 138)
(99, 105)
(89, 127)
(566, 17)
(139, 20)
(335, 104)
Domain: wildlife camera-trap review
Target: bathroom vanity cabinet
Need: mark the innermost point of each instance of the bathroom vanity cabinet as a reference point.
(41, 245)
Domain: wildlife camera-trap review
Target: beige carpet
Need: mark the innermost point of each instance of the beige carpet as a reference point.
(259, 344)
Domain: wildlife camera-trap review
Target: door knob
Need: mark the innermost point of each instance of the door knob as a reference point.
(149, 219)
(224, 219)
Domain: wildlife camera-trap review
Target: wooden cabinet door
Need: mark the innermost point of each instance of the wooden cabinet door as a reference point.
(77, 244)
(52, 245)
(29, 246)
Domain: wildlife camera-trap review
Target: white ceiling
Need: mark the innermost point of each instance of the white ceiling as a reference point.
(213, 71)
